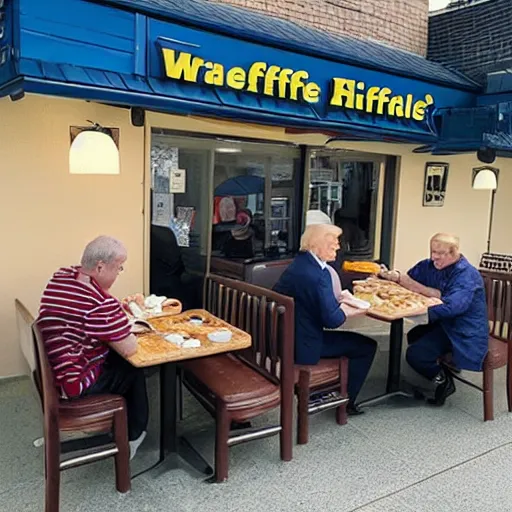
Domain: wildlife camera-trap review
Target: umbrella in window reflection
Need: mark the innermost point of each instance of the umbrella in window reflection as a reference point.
(241, 186)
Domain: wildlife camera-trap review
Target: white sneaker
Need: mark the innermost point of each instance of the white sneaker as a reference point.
(134, 445)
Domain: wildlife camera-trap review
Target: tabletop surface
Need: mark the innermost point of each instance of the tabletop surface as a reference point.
(153, 349)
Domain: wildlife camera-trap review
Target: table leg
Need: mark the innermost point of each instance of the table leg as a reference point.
(174, 450)
(168, 417)
(395, 355)
(395, 359)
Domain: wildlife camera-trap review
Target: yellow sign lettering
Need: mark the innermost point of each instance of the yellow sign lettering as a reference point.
(295, 85)
(214, 75)
(312, 92)
(236, 78)
(185, 67)
(256, 74)
(418, 113)
(344, 92)
(270, 80)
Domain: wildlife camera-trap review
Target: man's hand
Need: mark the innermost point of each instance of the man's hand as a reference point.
(351, 311)
(389, 275)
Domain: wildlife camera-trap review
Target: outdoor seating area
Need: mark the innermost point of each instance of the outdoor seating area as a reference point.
(401, 456)
(387, 460)
(258, 256)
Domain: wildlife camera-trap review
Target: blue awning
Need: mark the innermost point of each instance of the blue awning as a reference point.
(113, 52)
(469, 130)
(78, 82)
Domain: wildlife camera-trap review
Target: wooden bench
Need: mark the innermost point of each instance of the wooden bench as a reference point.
(238, 387)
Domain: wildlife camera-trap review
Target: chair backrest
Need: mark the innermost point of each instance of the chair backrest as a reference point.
(266, 315)
(25, 320)
(50, 397)
(266, 274)
(498, 292)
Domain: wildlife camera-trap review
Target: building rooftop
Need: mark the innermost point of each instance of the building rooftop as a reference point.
(475, 38)
(250, 25)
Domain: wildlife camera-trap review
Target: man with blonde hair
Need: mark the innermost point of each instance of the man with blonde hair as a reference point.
(84, 329)
(308, 281)
(459, 326)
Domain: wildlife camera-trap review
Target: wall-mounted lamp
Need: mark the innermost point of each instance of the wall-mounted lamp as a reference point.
(93, 151)
(486, 178)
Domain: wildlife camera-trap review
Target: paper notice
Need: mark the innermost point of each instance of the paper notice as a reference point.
(178, 181)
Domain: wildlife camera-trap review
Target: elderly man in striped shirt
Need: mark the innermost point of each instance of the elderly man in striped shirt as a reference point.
(86, 330)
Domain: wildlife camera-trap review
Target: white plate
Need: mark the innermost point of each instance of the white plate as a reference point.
(191, 343)
(357, 303)
(176, 339)
(220, 336)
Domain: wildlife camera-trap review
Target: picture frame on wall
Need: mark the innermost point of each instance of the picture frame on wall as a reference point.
(434, 186)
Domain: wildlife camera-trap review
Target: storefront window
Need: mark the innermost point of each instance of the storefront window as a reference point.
(254, 200)
(345, 186)
(217, 198)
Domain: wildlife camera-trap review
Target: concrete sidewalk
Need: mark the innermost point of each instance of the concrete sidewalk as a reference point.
(402, 456)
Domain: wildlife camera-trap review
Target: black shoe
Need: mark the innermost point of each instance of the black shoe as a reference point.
(354, 410)
(445, 388)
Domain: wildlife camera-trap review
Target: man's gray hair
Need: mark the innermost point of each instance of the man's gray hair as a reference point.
(102, 249)
(315, 234)
(449, 240)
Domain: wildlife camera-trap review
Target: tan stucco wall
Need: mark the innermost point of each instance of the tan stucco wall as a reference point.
(48, 215)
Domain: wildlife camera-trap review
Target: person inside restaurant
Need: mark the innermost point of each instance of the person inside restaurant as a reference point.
(353, 239)
(168, 275)
(309, 282)
(459, 326)
(166, 263)
(240, 241)
(87, 334)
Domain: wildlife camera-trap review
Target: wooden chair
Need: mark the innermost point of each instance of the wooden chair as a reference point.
(327, 376)
(238, 387)
(498, 290)
(103, 413)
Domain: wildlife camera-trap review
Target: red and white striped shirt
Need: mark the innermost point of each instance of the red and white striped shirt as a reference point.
(76, 321)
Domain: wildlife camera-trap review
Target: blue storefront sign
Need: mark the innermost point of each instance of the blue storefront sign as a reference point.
(126, 56)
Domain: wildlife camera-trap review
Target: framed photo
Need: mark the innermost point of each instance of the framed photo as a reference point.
(434, 187)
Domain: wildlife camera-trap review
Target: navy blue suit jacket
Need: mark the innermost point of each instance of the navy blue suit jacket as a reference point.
(316, 307)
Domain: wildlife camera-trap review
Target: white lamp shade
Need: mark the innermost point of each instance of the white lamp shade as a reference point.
(93, 152)
(485, 179)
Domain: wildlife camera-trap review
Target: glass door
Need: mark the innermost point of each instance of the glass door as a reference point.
(345, 186)
(180, 217)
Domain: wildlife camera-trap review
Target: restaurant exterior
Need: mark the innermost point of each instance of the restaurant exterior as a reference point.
(216, 110)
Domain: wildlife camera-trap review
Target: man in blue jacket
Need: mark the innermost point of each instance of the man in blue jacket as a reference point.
(309, 282)
(459, 326)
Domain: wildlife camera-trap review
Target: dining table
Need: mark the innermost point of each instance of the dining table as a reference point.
(153, 349)
(396, 334)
